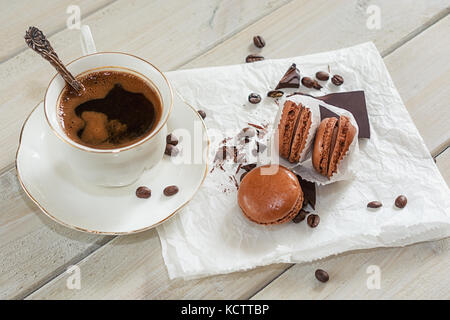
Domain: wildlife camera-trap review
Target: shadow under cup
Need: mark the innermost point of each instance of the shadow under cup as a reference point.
(119, 166)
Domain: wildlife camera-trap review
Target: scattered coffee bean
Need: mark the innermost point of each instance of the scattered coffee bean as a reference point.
(401, 201)
(374, 204)
(171, 150)
(253, 58)
(300, 217)
(337, 80)
(311, 83)
(243, 175)
(143, 192)
(322, 75)
(171, 139)
(254, 98)
(170, 190)
(307, 82)
(322, 275)
(259, 41)
(313, 220)
(275, 93)
(202, 113)
(316, 85)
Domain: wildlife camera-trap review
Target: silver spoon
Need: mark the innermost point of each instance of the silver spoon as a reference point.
(37, 41)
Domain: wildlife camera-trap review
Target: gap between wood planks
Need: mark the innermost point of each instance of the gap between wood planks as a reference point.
(102, 242)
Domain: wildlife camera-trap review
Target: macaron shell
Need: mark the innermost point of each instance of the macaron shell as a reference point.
(300, 135)
(286, 127)
(270, 199)
(345, 135)
(322, 145)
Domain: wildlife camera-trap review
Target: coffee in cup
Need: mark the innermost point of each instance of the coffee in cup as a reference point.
(116, 109)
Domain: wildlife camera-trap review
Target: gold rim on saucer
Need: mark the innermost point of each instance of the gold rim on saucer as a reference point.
(47, 213)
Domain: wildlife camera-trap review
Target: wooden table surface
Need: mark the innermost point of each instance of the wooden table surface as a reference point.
(35, 251)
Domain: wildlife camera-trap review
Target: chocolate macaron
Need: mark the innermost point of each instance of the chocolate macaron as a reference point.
(332, 141)
(272, 198)
(293, 130)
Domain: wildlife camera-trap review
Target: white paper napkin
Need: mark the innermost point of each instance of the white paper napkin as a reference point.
(211, 236)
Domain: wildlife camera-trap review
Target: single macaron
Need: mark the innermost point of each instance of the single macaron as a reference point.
(332, 141)
(271, 197)
(293, 130)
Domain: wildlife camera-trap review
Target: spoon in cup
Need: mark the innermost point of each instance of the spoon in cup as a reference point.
(37, 41)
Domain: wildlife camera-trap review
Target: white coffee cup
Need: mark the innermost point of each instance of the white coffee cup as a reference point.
(120, 166)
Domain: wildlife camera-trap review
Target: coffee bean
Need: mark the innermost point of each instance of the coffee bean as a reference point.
(300, 216)
(253, 58)
(259, 41)
(316, 85)
(322, 275)
(401, 201)
(311, 83)
(202, 113)
(374, 204)
(143, 192)
(243, 175)
(275, 93)
(322, 75)
(313, 220)
(254, 98)
(171, 150)
(307, 82)
(170, 190)
(337, 80)
(171, 139)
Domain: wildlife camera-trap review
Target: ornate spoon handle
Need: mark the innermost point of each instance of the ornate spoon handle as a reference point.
(37, 41)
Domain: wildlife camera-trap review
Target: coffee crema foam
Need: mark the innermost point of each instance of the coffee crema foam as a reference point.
(116, 109)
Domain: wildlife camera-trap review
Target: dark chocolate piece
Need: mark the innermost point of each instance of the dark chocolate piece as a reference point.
(291, 78)
(309, 191)
(353, 101)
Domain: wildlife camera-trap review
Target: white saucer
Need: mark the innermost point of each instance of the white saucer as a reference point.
(65, 198)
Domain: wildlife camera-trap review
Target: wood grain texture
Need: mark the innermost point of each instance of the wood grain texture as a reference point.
(420, 70)
(33, 248)
(414, 272)
(51, 16)
(167, 33)
(143, 275)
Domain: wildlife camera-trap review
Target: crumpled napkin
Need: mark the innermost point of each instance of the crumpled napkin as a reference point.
(211, 236)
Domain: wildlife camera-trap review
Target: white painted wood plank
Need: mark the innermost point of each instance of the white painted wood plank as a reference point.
(420, 70)
(16, 16)
(33, 249)
(134, 264)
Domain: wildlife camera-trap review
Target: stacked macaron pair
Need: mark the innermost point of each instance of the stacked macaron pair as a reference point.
(332, 138)
(293, 130)
(332, 141)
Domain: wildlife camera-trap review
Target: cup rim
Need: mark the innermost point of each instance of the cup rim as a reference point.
(114, 150)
